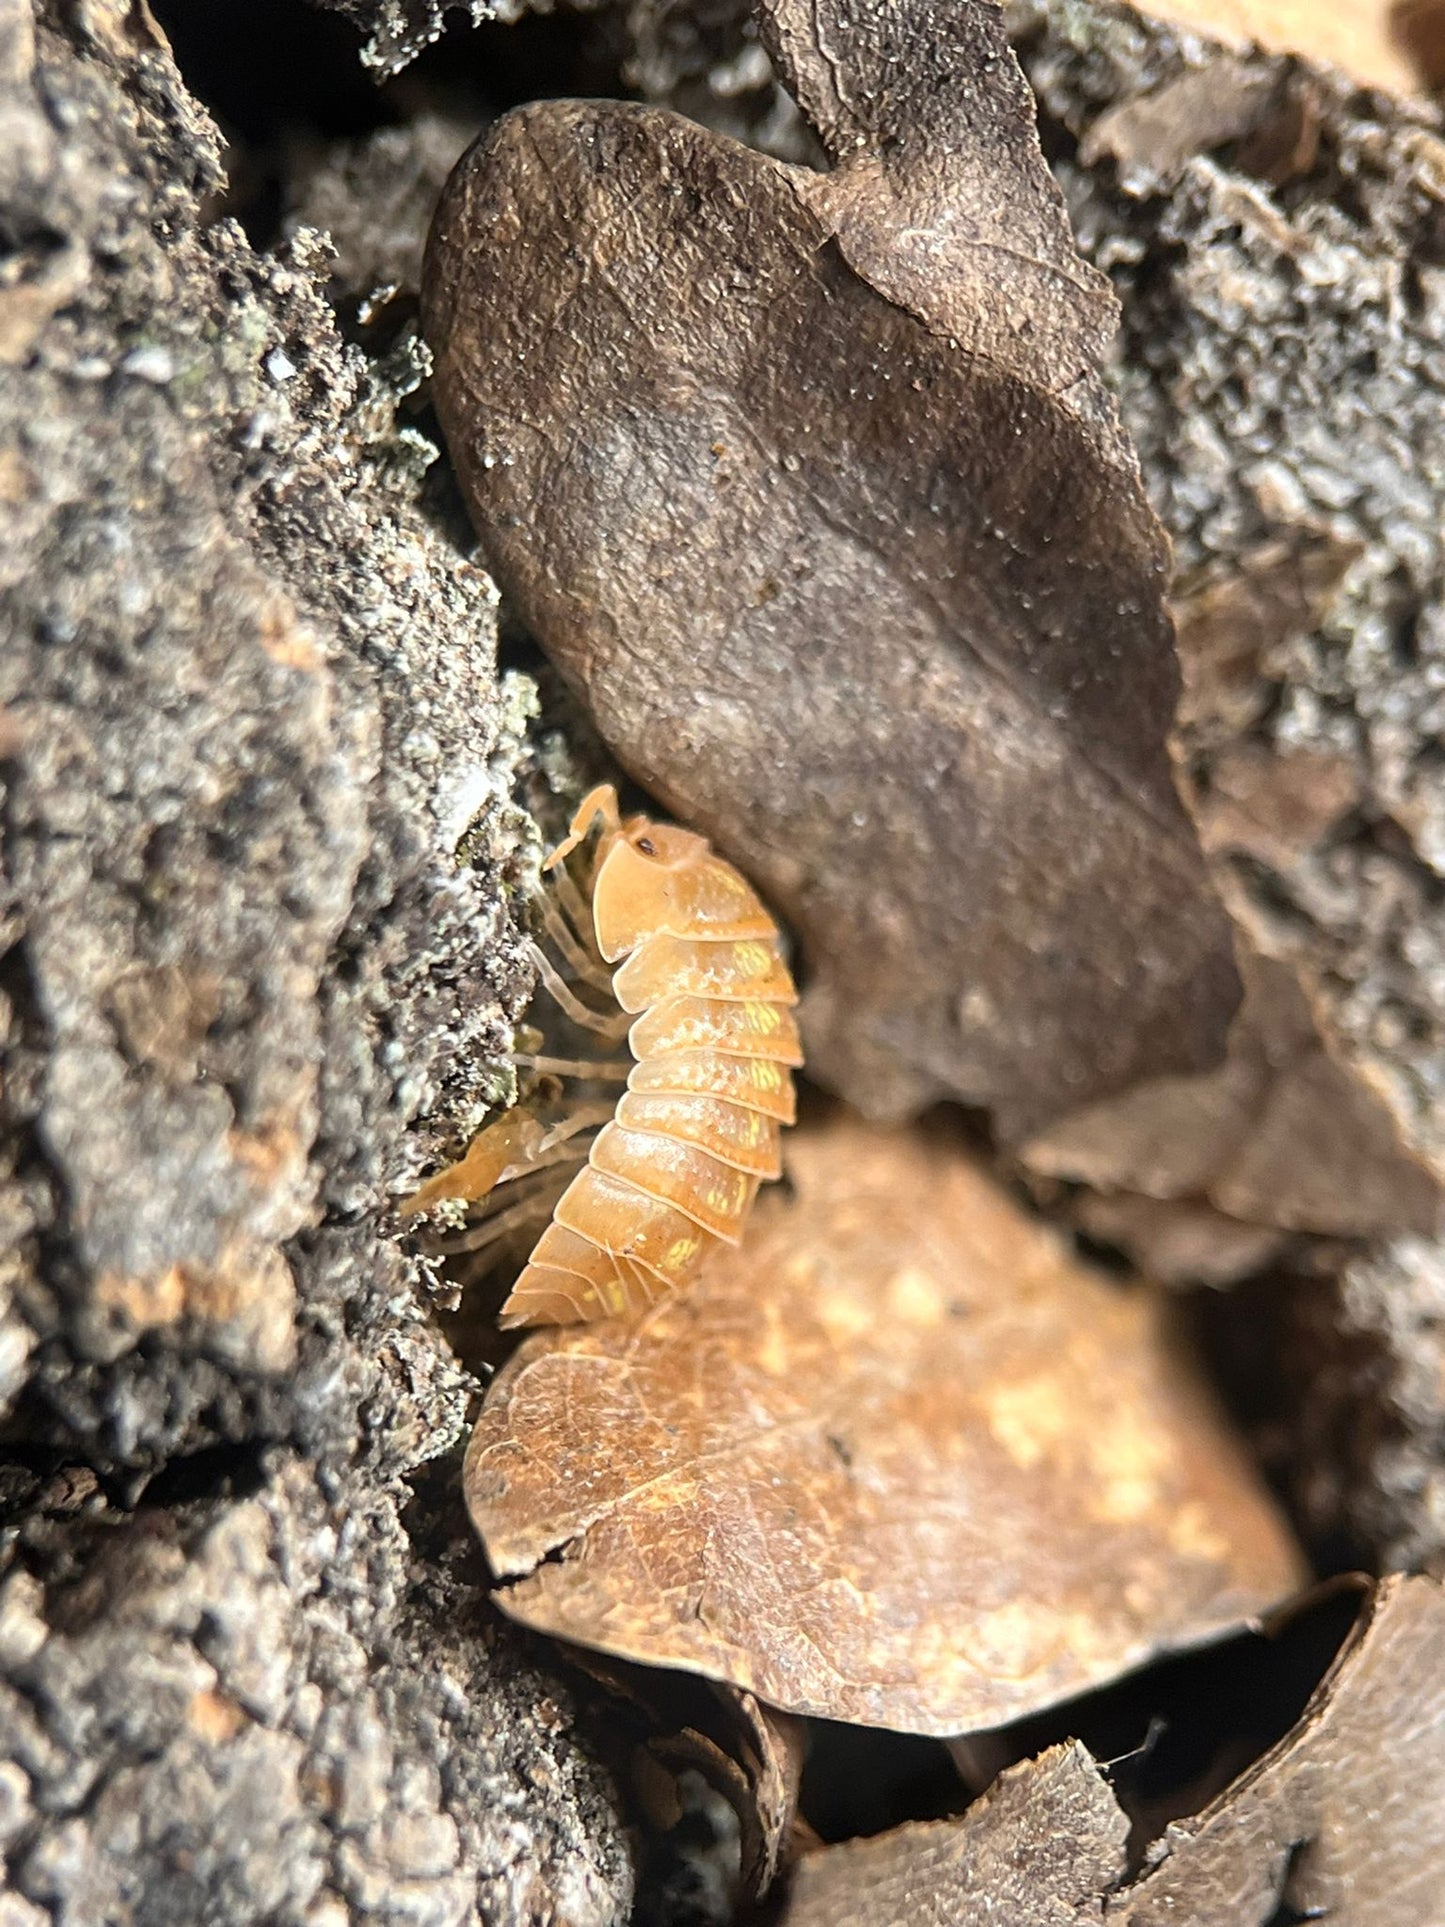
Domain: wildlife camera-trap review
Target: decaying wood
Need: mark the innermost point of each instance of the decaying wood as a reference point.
(1343, 1820)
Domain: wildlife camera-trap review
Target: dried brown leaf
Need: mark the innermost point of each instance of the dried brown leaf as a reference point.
(809, 482)
(1229, 619)
(772, 1747)
(938, 196)
(1038, 1850)
(755, 1761)
(1152, 136)
(1176, 1241)
(657, 1726)
(899, 1460)
(1288, 1133)
(1280, 1136)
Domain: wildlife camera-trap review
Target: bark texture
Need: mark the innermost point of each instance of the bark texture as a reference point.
(250, 710)
(1282, 276)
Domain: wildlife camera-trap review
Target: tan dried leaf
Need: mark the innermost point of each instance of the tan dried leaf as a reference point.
(899, 1461)
(810, 483)
(1280, 1136)
(1385, 43)
(1175, 1241)
(1230, 618)
(1152, 136)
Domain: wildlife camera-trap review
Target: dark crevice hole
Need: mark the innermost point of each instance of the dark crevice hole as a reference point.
(269, 68)
(282, 77)
(1179, 1732)
(217, 1471)
(860, 1780)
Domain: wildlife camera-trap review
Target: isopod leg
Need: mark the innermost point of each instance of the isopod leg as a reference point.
(587, 1118)
(501, 1224)
(573, 905)
(589, 968)
(609, 1069)
(613, 1028)
(510, 1145)
(599, 802)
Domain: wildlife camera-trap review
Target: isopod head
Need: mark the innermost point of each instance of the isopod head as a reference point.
(657, 880)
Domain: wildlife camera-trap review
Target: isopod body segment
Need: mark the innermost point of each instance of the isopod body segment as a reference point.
(714, 1042)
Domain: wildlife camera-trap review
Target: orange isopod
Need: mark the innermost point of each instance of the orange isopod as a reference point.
(706, 998)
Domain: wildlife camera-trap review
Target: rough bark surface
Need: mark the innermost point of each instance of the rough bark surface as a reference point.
(250, 709)
(1281, 370)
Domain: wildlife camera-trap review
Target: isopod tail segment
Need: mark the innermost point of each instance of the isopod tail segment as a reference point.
(704, 989)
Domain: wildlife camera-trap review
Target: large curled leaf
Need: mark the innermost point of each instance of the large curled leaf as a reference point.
(899, 1460)
(1293, 1132)
(1280, 1135)
(809, 482)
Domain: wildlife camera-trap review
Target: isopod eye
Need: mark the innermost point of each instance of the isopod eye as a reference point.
(646, 845)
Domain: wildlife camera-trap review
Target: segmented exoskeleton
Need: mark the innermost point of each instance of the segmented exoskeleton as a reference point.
(706, 1000)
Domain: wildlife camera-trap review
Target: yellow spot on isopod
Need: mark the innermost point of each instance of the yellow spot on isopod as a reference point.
(725, 1196)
